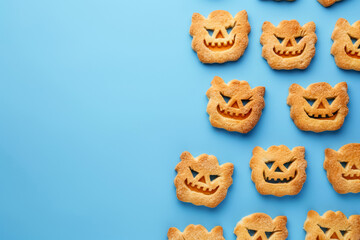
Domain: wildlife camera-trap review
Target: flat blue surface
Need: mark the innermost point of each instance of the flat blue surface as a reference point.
(98, 98)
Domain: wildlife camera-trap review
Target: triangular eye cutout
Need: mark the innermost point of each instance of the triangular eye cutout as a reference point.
(280, 39)
(330, 100)
(251, 232)
(226, 99)
(213, 177)
(343, 232)
(269, 234)
(298, 39)
(269, 164)
(245, 101)
(323, 229)
(310, 101)
(194, 173)
(210, 32)
(229, 30)
(352, 39)
(288, 164)
(344, 164)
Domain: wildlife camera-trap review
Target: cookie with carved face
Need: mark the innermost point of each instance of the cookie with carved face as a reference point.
(319, 107)
(234, 106)
(328, 3)
(220, 37)
(332, 225)
(278, 170)
(343, 168)
(346, 47)
(289, 45)
(201, 180)
(196, 232)
(259, 226)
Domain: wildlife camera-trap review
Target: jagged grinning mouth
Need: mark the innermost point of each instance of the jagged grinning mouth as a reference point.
(233, 115)
(289, 53)
(331, 116)
(220, 45)
(279, 180)
(348, 176)
(353, 54)
(203, 190)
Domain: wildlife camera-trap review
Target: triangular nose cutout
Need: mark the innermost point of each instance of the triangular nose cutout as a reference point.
(321, 106)
(354, 167)
(334, 236)
(278, 169)
(219, 35)
(202, 179)
(259, 238)
(289, 44)
(235, 105)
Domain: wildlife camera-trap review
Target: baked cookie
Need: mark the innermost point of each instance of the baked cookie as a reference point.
(201, 180)
(289, 45)
(332, 225)
(343, 168)
(328, 3)
(278, 171)
(346, 47)
(260, 226)
(234, 106)
(319, 107)
(196, 232)
(220, 37)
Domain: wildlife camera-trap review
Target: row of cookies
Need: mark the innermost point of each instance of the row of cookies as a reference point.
(221, 38)
(260, 226)
(237, 107)
(276, 171)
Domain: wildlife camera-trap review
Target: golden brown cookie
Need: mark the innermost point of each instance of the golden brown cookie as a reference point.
(196, 232)
(259, 226)
(234, 106)
(328, 3)
(319, 107)
(343, 168)
(201, 180)
(346, 47)
(332, 225)
(220, 37)
(278, 171)
(289, 45)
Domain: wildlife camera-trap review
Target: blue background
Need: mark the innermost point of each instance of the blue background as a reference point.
(98, 98)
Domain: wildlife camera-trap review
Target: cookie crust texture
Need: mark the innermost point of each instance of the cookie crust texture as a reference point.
(328, 3)
(196, 232)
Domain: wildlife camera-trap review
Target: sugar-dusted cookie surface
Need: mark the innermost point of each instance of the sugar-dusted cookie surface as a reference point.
(201, 180)
(332, 225)
(220, 37)
(261, 226)
(196, 232)
(278, 170)
(289, 45)
(346, 46)
(234, 106)
(343, 168)
(328, 3)
(319, 107)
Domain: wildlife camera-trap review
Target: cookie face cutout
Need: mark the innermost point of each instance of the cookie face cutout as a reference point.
(332, 225)
(234, 106)
(328, 3)
(289, 45)
(343, 168)
(346, 47)
(220, 37)
(259, 226)
(201, 180)
(196, 232)
(278, 171)
(319, 107)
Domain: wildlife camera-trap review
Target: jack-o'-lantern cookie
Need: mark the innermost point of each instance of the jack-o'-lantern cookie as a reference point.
(196, 232)
(201, 180)
(328, 3)
(261, 226)
(220, 37)
(332, 225)
(346, 47)
(289, 45)
(319, 107)
(343, 168)
(234, 106)
(278, 170)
